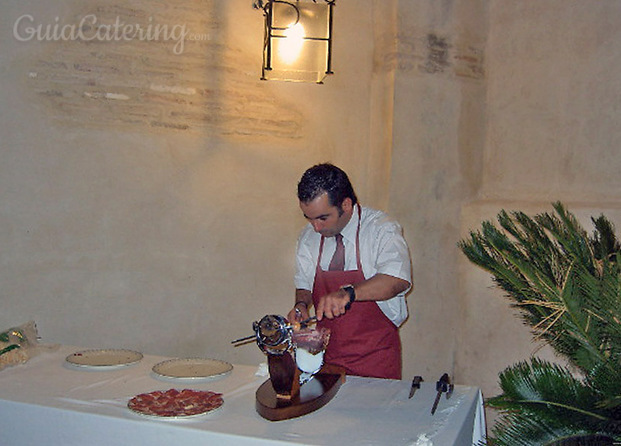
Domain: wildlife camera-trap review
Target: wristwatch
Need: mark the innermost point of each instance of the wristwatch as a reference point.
(352, 295)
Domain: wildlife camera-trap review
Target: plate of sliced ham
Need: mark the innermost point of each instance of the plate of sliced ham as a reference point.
(175, 404)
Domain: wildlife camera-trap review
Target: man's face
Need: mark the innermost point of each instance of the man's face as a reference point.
(326, 219)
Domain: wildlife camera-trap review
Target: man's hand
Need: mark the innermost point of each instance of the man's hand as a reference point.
(332, 305)
(298, 313)
(303, 302)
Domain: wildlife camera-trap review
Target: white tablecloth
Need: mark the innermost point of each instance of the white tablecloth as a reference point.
(46, 402)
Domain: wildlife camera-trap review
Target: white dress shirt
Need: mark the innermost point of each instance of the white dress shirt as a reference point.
(383, 250)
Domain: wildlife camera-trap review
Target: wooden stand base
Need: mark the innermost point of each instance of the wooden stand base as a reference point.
(313, 395)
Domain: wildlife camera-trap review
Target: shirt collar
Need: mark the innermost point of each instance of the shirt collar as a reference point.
(351, 228)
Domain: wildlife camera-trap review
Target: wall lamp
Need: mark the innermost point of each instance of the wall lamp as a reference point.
(298, 39)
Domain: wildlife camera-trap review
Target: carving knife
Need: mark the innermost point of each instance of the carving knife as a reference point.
(442, 386)
(415, 385)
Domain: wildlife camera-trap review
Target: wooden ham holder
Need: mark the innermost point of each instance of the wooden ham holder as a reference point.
(281, 397)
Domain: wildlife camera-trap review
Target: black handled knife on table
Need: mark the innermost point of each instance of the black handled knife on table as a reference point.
(442, 386)
(415, 385)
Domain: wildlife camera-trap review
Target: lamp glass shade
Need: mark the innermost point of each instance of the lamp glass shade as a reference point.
(298, 41)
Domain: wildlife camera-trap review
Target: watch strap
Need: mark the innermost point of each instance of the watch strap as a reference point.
(352, 295)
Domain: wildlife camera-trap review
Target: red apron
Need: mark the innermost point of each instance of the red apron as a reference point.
(363, 340)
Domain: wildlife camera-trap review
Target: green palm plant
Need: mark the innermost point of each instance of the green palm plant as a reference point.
(566, 284)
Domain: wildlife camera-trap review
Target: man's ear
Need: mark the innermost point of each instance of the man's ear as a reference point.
(347, 205)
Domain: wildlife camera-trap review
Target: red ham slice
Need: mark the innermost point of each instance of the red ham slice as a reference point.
(175, 403)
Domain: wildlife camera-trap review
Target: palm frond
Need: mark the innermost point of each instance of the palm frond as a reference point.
(547, 265)
(542, 386)
(542, 402)
(566, 285)
(605, 241)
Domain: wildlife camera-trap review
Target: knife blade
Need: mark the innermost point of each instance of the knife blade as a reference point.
(308, 321)
(442, 385)
(415, 385)
(302, 324)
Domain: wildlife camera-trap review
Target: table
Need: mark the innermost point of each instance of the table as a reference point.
(47, 402)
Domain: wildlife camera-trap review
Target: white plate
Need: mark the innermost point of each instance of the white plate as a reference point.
(104, 358)
(192, 369)
(180, 417)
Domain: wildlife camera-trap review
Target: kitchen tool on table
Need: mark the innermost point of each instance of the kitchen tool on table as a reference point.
(443, 385)
(415, 385)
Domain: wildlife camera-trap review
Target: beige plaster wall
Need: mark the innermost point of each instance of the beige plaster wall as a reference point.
(438, 132)
(148, 197)
(553, 101)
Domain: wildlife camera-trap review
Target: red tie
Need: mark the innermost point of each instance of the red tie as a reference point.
(338, 260)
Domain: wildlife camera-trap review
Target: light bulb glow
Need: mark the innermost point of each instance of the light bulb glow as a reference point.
(290, 47)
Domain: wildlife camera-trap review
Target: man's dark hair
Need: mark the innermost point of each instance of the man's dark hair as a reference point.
(326, 178)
